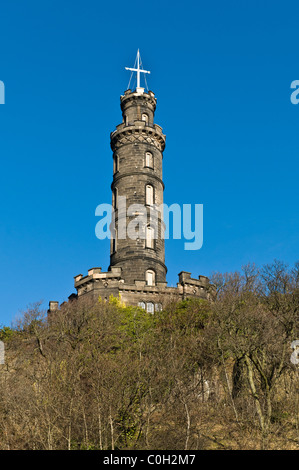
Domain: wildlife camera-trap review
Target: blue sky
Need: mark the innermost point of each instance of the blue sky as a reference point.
(221, 72)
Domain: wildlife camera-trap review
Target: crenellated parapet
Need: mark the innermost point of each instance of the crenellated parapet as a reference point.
(193, 287)
(96, 279)
(103, 284)
(136, 103)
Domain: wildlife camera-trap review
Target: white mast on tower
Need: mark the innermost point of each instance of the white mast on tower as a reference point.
(138, 70)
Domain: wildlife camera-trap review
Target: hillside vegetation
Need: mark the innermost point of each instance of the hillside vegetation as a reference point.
(200, 374)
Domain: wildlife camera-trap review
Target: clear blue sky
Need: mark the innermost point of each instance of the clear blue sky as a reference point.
(221, 72)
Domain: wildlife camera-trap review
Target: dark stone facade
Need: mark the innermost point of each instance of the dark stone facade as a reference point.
(137, 271)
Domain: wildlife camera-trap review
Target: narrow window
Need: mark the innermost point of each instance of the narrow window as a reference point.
(150, 277)
(149, 161)
(145, 118)
(115, 163)
(115, 198)
(142, 305)
(149, 195)
(150, 237)
(158, 307)
(150, 307)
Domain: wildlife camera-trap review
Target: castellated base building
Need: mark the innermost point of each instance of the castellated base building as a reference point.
(137, 271)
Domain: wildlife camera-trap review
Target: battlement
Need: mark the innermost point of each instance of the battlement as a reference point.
(104, 284)
(138, 95)
(185, 278)
(97, 274)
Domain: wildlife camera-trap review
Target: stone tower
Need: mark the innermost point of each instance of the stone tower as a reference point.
(137, 271)
(137, 145)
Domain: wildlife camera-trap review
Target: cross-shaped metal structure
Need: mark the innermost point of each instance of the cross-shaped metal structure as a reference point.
(138, 69)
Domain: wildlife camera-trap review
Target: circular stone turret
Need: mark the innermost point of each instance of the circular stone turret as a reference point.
(137, 191)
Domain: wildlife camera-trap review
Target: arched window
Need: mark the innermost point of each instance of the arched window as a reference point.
(149, 160)
(150, 307)
(114, 241)
(150, 277)
(149, 195)
(115, 163)
(150, 237)
(144, 117)
(158, 307)
(142, 305)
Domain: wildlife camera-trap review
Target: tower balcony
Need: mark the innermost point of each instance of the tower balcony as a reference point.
(139, 132)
